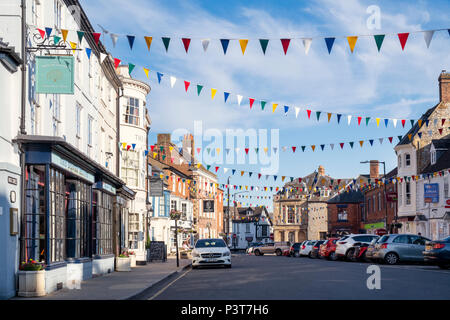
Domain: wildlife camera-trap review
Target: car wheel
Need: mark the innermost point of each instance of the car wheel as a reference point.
(228, 266)
(310, 255)
(444, 266)
(349, 255)
(333, 256)
(257, 253)
(278, 252)
(391, 258)
(296, 254)
(194, 267)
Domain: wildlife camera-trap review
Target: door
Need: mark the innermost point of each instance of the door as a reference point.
(417, 246)
(401, 245)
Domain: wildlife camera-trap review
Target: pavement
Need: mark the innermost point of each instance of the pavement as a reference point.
(120, 285)
(288, 278)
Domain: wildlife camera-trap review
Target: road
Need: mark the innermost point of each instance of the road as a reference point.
(270, 277)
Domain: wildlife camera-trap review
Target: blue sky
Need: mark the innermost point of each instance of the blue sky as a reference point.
(390, 84)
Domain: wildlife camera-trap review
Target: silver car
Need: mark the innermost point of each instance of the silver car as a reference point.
(392, 248)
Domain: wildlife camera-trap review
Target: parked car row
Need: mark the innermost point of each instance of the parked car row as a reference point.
(389, 249)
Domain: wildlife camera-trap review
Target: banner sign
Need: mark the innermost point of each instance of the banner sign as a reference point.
(55, 74)
(431, 193)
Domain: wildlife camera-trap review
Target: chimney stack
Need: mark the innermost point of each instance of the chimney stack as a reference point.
(444, 87)
(374, 172)
(321, 171)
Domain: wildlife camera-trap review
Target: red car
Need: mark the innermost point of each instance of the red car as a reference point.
(328, 248)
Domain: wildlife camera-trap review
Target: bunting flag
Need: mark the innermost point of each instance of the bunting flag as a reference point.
(285, 43)
(428, 35)
(159, 76)
(166, 42)
(379, 40)
(114, 38)
(307, 44)
(274, 106)
(225, 43)
(88, 53)
(226, 94)
(80, 36)
(73, 45)
(186, 85)
(329, 42)
(199, 89)
(64, 34)
(56, 40)
(96, 36)
(131, 41)
(264, 43)
(205, 44)
(213, 93)
(48, 32)
(130, 68)
(148, 41)
(352, 42)
(243, 43)
(251, 101)
(172, 81)
(102, 57)
(186, 43)
(403, 37)
(239, 99)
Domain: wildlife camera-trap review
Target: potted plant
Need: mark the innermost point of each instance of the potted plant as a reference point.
(132, 256)
(123, 262)
(31, 279)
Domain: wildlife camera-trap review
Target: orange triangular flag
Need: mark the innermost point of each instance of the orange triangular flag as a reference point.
(352, 42)
(243, 43)
(148, 40)
(64, 34)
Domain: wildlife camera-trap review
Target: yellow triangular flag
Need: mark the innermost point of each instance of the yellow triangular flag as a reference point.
(361, 143)
(146, 72)
(148, 40)
(124, 145)
(378, 121)
(243, 43)
(170, 148)
(198, 165)
(274, 106)
(218, 151)
(64, 34)
(73, 45)
(265, 150)
(352, 42)
(213, 93)
(154, 155)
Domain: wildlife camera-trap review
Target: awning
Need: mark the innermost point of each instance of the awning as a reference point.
(447, 216)
(420, 217)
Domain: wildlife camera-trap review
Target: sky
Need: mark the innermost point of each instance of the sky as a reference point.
(392, 83)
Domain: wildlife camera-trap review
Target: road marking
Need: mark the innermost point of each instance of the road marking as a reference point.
(167, 286)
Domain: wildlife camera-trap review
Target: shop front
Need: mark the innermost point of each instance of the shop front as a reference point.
(68, 217)
(373, 228)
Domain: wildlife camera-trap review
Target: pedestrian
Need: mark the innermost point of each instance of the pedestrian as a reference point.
(419, 234)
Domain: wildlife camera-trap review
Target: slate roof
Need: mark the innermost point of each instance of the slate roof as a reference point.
(443, 162)
(354, 196)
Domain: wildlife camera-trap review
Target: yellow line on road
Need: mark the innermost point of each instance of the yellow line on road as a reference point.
(164, 289)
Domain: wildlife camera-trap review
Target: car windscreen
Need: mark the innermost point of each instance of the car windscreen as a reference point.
(383, 239)
(210, 243)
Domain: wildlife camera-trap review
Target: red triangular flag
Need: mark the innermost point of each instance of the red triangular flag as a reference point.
(403, 37)
(342, 145)
(251, 102)
(309, 113)
(293, 149)
(246, 150)
(390, 139)
(186, 85)
(116, 62)
(285, 43)
(403, 122)
(96, 37)
(42, 32)
(359, 120)
(217, 168)
(440, 131)
(152, 147)
(186, 42)
(259, 175)
(198, 150)
(443, 121)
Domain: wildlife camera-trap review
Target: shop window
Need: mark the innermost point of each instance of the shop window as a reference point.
(102, 223)
(342, 215)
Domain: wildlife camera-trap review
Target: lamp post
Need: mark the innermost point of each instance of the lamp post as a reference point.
(385, 192)
(228, 210)
(175, 215)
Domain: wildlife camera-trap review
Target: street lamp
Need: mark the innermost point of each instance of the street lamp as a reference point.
(175, 215)
(385, 192)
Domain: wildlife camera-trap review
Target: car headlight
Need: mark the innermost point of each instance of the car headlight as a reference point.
(226, 254)
(195, 254)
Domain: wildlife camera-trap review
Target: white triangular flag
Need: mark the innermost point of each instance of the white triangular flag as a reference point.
(205, 43)
(332, 146)
(381, 140)
(394, 122)
(307, 44)
(172, 81)
(114, 38)
(297, 110)
(428, 35)
(284, 149)
(349, 119)
(102, 57)
(239, 98)
(237, 150)
(225, 170)
(189, 149)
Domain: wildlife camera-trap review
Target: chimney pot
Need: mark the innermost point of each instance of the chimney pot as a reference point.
(444, 87)
(374, 169)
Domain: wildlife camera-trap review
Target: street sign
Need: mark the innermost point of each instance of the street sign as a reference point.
(54, 74)
(447, 204)
(391, 196)
(431, 193)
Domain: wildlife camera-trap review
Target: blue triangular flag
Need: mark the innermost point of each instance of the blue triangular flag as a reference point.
(386, 121)
(339, 117)
(419, 134)
(226, 94)
(48, 31)
(225, 43)
(371, 142)
(286, 108)
(233, 171)
(133, 145)
(88, 52)
(329, 42)
(146, 152)
(131, 41)
(159, 76)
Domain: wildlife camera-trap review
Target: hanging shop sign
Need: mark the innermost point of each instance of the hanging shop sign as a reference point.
(391, 196)
(156, 187)
(377, 225)
(208, 205)
(72, 168)
(55, 74)
(431, 193)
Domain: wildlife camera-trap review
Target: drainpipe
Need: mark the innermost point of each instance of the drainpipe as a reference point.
(119, 95)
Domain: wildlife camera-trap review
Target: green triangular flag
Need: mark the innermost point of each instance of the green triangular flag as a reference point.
(303, 148)
(412, 122)
(209, 150)
(164, 157)
(80, 36)
(351, 144)
(263, 104)
(399, 138)
(208, 166)
(56, 39)
(318, 115)
(264, 43)
(367, 121)
(379, 40)
(130, 68)
(166, 42)
(256, 149)
(199, 89)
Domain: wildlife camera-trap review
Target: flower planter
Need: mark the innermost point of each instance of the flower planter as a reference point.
(31, 283)
(132, 260)
(123, 264)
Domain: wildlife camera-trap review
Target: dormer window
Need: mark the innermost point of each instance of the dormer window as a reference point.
(433, 156)
(407, 160)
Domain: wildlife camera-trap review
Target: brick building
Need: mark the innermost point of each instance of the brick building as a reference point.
(344, 213)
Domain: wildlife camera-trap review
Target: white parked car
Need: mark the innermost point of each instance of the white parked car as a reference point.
(209, 252)
(306, 247)
(344, 246)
